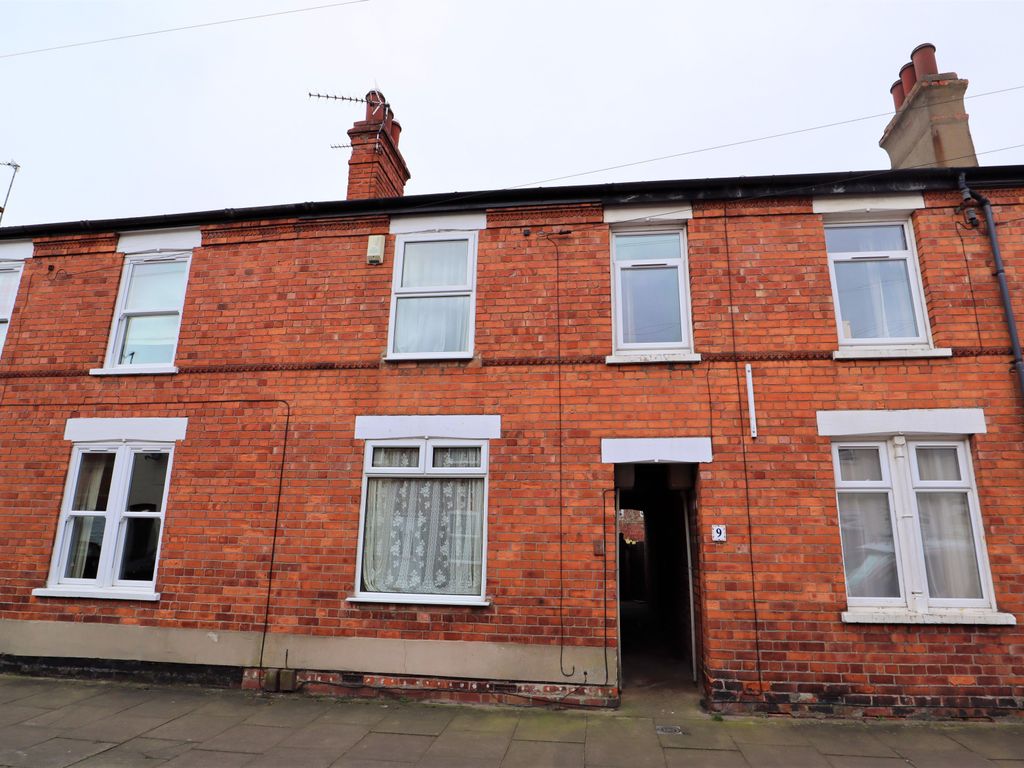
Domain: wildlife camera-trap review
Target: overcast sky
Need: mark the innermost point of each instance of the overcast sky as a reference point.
(490, 93)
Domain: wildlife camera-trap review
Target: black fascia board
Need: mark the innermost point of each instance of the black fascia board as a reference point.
(621, 193)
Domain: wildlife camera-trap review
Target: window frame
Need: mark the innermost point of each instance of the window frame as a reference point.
(424, 470)
(901, 478)
(467, 290)
(7, 312)
(106, 584)
(641, 349)
(121, 316)
(924, 338)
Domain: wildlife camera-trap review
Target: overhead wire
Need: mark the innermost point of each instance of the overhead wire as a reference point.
(183, 28)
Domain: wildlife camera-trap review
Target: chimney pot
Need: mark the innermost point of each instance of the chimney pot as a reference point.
(923, 58)
(396, 131)
(376, 168)
(898, 96)
(908, 77)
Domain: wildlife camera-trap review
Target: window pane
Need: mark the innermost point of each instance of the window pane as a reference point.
(156, 286)
(3, 332)
(949, 554)
(423, 536)
(396, 457)
(884, 237)
(149, 339)
(433, 324)
(435, 263)
(138, 560)
(869, 550)
(93, 485)
(859, 464)
(8, 289)
(875, 299)
(938, 463)
(652, 247)
(457, 457)
(146, 488)
(84, 545)
(650, 306)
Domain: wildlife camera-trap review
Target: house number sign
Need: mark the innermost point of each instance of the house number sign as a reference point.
(718, 533)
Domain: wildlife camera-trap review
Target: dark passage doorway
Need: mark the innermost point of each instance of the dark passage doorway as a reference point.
(655, 503)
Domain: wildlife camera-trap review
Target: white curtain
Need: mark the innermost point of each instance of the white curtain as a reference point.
(423, 536)
(875, 299)
(432, 324)
(435, 264)
(949, 554)
(869, 550)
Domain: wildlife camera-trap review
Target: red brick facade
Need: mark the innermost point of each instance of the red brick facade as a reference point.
(281, 343)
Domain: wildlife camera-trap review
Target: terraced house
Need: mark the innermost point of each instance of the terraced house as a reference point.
(763, 435)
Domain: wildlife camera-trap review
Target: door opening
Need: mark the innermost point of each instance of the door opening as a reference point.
(656, 577)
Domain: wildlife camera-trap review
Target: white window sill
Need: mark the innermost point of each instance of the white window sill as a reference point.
(639, 358)
(135, 370)
(102, 593)
(935, 616)
(882, 353)
(478, 602)
(427, 358)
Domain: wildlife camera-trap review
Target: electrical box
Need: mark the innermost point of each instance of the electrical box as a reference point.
(375, 249)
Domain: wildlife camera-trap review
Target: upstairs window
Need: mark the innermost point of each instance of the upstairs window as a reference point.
(10, 278)
(875, 284)
(149, 311)
(433, 297)
(651, 301)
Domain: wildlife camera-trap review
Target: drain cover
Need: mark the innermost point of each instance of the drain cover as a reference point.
(668, 730)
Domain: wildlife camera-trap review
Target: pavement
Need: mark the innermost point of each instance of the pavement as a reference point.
(49, 723)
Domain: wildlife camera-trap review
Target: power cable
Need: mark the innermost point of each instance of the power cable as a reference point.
(180, 29)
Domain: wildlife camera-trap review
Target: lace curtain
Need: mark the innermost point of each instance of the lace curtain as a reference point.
(423, 535)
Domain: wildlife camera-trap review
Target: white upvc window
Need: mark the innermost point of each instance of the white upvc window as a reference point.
(433, 297)
(876, 285)
(911, 530)
(423, 529)
(147, 317)
(651, 298)
(10, 279)
(108, 535)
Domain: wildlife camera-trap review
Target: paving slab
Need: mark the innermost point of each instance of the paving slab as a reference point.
(698, 735)
(23, 735)
(552, 726)
(533, 754)
(165, 706)
(15, 688)
(61, 694)
(772, 731)
(115, 728)
(390, 746)
(486, 722)
(946, 759)
(194, 727)
(201, 758)
(996, 742)
(862, 761)
(622, 741)
(16, 713)
(337, 737)
(354, 713)
(254, 739)
(289, 713)
(425, 721)
(704, 758)
(294, 758)
(55, 753)
(844, 739)
(137, 753)
(783, 756)
(70, 717)
(484, 747)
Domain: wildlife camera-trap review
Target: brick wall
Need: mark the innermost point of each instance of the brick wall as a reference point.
(285, 324)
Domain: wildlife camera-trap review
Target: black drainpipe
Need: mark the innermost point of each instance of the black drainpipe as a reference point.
(1000, 273)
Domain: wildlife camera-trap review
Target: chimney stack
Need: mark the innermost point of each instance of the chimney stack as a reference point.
(930, 127)
(376, 168)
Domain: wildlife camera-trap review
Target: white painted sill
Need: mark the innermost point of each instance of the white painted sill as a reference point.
(641, 358)
(427, 358)
(135, 370)
(102, 593)
(935, 616)
(476, 602)
(887, 353)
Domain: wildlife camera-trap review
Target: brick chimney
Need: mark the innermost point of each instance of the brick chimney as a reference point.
(376, 168)
(930, 126)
